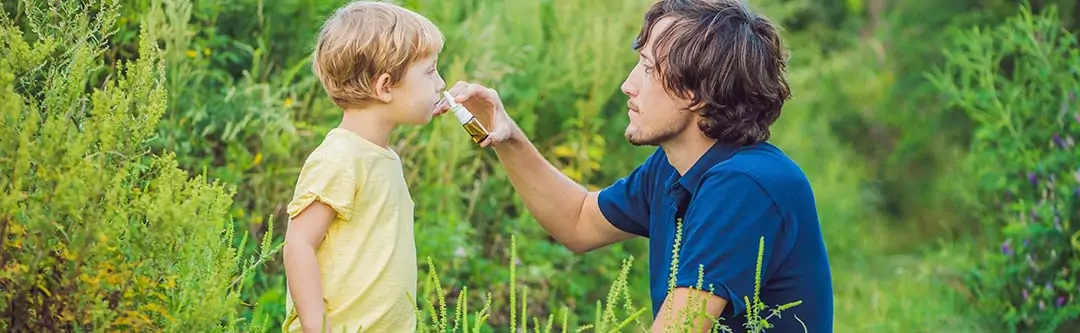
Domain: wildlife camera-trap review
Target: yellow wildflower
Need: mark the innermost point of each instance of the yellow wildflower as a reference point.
(563, 151)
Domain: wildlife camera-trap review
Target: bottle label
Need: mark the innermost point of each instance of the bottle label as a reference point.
(475, 130)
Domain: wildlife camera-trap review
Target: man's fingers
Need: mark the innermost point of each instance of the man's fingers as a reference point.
(466, 91)
(441, 108)
(458, 85)
(456, 89)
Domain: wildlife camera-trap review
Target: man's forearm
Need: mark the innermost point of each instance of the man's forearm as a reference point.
(688, 309)
(554, 199)
(305, 284)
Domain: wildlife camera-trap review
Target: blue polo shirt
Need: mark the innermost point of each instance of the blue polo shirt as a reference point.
(727, 201)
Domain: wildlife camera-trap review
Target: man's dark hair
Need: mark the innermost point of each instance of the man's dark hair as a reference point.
(727, 60)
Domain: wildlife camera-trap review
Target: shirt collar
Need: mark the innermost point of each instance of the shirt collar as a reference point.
(717, 153)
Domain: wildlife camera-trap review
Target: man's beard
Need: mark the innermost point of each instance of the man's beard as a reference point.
(654, 138)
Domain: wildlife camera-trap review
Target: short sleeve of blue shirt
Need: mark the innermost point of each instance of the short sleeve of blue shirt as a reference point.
(625, 203)
(721, 231)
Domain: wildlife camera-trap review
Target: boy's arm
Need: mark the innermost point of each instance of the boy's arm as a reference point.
(302, 238)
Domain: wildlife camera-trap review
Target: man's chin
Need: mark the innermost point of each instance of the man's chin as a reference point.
(638, 140)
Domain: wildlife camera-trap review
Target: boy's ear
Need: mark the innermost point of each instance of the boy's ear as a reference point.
(382, 88)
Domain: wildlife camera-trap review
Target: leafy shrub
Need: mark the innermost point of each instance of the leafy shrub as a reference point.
(96, 234)
(1019, 81)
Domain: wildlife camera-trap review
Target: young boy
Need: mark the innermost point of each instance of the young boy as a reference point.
(350, 258)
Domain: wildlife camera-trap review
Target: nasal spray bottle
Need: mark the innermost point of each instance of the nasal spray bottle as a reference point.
(467, 120)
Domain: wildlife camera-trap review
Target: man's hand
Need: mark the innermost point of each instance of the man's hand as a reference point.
(484, 103)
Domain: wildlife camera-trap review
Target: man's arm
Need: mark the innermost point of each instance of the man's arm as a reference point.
(302, 238)
(687, 306)
(563, 207)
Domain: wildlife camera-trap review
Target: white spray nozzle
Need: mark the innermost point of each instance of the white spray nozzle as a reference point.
(449, 99)
(459, 111)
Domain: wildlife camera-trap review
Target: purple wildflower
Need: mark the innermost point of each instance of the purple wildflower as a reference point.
(1057, 140)
(1060, 301)
(1024, 294)
(1006, 248)
(1031, 178)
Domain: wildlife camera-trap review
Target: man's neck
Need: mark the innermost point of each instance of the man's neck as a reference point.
(683, 151)
(370, 124)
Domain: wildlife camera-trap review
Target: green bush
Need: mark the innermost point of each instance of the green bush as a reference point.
(96, 233)
(1019, 80)
(890, 114)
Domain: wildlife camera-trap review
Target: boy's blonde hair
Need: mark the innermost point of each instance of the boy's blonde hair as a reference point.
(365, 39)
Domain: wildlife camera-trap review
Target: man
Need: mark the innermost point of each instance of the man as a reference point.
(708, 84)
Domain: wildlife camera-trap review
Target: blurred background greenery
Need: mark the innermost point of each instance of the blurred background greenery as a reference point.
(938, 135)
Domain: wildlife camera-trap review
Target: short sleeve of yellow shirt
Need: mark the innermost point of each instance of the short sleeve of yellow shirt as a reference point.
(367, 261)
(327, 180)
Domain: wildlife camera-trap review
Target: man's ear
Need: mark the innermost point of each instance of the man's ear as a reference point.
(382, 88)
(690, 106)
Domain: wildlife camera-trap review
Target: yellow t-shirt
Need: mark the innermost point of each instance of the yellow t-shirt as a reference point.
(368, 259)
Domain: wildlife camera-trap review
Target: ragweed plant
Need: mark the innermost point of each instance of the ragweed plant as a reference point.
(608, 317)
(95, 233)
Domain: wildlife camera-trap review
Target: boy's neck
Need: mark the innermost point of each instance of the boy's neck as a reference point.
(369, 124)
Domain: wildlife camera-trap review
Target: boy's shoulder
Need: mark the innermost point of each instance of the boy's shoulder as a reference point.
(344, 147)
